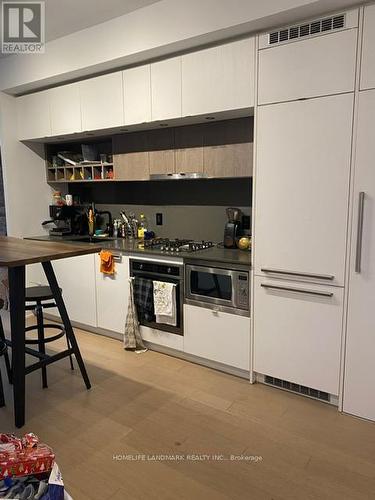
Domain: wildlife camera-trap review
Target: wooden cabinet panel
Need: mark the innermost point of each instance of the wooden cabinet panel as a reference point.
(219, 78)
(112, 295)
(162, 162)
(131, 157)
(297, 335)
(227, 150)
(166, 89)
(302, 186)
(189, 149)
(359, 382)
(368, 60)
(137, 94)
(131, 167)
(161, 151)
(102, 102)
(312, 67)
(217, 336)
(65, 109)
(220, 149)
(33, 116)
(228, 160)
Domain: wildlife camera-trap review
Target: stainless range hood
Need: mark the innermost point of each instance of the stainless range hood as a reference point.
(180, 176)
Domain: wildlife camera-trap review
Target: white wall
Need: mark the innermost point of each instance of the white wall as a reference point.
(27, 195)
(154, 31)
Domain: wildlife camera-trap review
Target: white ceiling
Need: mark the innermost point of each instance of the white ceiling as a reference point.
(68, 16)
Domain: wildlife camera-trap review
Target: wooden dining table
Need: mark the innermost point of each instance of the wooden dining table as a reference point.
(16, 254)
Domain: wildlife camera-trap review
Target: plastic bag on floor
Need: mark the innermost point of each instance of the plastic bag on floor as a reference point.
(56, 489)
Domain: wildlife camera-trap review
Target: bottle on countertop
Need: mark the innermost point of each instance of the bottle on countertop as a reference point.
(142, 228)
(91, 220)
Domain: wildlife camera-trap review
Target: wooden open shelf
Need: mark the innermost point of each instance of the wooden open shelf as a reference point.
(79, 173)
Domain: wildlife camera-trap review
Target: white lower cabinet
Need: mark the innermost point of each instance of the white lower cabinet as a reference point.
(35, 275)
(76, 278)
(297, 332)
(359, 383)
(112, 295)
(217, 336)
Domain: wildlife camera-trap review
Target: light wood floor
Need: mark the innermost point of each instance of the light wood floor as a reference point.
(154, 404)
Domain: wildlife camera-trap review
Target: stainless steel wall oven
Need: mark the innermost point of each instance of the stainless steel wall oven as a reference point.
(162, 271)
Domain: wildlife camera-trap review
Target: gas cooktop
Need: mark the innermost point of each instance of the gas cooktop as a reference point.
(177, 245)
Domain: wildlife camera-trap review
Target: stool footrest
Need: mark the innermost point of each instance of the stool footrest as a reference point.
(45, 340)
(32, 307)
(48, 360)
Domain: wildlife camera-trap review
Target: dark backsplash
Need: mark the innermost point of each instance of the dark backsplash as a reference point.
(204, 192)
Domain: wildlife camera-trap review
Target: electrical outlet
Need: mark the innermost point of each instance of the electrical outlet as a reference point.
(159, 219)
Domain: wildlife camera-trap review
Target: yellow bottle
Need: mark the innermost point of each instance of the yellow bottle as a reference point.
(142, 226)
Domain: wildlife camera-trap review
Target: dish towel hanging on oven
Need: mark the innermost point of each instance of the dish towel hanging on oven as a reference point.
(143, 298)
(165, 302)
(132, 334)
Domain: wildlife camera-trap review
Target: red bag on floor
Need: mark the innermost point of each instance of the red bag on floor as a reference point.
(24, 456)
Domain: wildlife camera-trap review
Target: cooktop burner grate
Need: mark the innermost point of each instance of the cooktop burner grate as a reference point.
(177, 245)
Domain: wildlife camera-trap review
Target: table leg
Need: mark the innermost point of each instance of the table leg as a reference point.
(52, 281)
(17, 327)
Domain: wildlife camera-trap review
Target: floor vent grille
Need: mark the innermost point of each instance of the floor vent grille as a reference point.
(300, 389)
(308, 29)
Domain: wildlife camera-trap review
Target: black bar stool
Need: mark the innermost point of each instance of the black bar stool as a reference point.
(36, 297)
(4, 352)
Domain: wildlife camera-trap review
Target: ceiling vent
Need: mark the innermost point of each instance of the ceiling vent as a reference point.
(307, 29)
(300, 389)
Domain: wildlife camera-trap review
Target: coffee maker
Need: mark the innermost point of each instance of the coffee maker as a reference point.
(233, 228)
(66, 219)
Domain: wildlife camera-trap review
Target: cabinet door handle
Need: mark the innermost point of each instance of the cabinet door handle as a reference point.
(358, 250)
(298, 290)
(295, 273)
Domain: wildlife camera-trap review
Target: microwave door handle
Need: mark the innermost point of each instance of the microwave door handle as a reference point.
(210, 270)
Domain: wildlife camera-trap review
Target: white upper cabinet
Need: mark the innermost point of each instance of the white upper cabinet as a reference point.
(368, 59)
(166, 89)
(102, 102)
(33, 116)
(137, 94)
(308, 67)
(65, 109)
(302, 188)
(219, 79)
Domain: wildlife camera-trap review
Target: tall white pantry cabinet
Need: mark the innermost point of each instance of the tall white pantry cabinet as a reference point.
(359, 376)
(302, 187)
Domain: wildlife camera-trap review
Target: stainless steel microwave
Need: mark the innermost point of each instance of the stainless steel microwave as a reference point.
(224, 289)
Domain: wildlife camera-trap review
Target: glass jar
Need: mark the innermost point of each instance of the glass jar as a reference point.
(57, 198)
